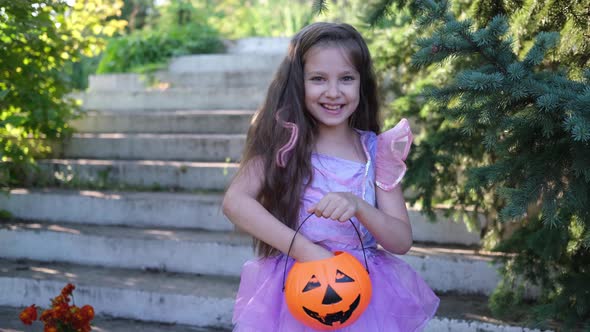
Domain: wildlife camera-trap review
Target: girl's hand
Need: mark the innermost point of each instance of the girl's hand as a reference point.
(339, 206)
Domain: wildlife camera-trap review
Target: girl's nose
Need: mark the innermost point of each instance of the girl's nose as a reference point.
(333, 90)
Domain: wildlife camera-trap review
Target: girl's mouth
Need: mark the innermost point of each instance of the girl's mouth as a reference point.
(332, 107)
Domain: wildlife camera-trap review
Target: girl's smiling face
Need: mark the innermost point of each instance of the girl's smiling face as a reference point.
(332, 86)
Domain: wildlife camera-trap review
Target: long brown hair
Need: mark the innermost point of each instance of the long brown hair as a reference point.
(282, 186)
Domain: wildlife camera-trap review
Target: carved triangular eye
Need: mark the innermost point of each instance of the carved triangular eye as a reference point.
(342, 277)
(313, 283)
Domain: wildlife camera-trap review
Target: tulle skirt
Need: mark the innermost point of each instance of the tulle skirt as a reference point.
(401, 300)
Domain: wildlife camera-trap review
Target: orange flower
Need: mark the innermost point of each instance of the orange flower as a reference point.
(46, 315)
(50, 328)
(61, 315)
(86, 328)
(77, 318)
(59, 300)
(60, 312)
(88, 312)
(28, 315)
(67, 290)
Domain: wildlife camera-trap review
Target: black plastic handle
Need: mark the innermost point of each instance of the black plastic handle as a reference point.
(293, 240)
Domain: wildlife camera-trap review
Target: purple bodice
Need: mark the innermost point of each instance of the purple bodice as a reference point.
(332, 174)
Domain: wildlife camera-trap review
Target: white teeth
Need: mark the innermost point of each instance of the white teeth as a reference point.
(332, 107)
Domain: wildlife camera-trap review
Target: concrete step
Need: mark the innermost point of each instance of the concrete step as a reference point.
(205, 98)
(172, 298)
(145, 174)
(191, 121)
(259, 78)
(160, 297)
(177, 147)
(238, 78)
(444, 229)
(9, 322)
(212, 253)
(133, 209)
(178, 210)
(258, 45)
(225, 62)
(156, 248)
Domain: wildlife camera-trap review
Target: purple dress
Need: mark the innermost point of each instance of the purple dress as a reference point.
(401, 300)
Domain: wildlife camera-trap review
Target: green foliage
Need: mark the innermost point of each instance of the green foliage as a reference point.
(5, 215)
(507, 301)
(194, 26)
(175, 30)
(153, 47)
(136, 13)
(436, 177)
(527, 125)
(559, 268)
(39, 39)
(527, 18)
(78, 72)
(278, 18)
(319, 7)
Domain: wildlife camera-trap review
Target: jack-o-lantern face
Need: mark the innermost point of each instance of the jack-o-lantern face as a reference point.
(328, 294)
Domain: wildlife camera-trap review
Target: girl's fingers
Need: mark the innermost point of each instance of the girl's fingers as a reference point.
(337, 214)
(319, 208)
(323, 205)
(330, 208)
(334, 206)
(348, 214)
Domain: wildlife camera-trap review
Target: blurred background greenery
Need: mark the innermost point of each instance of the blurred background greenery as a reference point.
(158, 30)
(49, 48)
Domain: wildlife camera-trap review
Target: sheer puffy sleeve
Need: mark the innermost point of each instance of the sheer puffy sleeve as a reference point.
(393, 147)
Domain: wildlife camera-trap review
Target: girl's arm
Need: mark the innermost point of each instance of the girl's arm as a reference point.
(389, 224)
(242, 209)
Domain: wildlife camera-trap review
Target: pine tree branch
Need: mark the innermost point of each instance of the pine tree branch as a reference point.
(584, 59)
(430, 7)
(449, 19)
(319, 7)
(379, 11)
(481, 51)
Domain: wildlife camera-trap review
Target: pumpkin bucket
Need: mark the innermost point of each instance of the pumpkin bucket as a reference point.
(328, 294)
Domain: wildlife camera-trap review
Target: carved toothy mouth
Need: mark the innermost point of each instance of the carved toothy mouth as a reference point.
(332, 318)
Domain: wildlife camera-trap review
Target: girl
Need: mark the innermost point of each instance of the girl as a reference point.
(312, 148)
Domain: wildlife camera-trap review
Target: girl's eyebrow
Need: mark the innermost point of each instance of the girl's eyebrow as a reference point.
(348, 72)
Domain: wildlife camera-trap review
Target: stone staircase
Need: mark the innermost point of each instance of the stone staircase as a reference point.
(131, 213)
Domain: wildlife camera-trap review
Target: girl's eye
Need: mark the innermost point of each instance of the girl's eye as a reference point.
(316, 78)
(348, 78)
